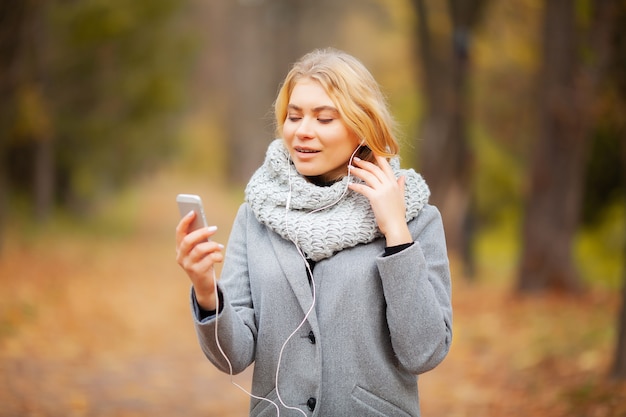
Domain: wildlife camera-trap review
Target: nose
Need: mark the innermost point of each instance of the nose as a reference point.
(305, 128)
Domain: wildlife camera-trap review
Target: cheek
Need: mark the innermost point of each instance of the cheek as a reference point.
(287, 131)
(347, 142)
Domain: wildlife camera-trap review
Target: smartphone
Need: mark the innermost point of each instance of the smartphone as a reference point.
(189, 202)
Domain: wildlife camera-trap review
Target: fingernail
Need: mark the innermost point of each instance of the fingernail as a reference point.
(190, 213)
(219, 245)
(211, 228)
(356, 158)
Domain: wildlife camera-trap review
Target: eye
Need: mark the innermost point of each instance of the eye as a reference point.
(325, 121)
(293, 118)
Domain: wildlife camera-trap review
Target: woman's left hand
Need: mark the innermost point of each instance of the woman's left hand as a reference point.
(386, 195)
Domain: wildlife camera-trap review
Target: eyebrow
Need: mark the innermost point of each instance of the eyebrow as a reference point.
(315, 110)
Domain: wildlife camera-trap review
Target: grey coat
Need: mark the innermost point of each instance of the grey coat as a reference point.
(377, 322)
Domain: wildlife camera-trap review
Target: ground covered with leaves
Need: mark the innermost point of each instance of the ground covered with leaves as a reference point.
(94, 321)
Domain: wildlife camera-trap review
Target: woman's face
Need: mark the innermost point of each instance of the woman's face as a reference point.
(319, 142)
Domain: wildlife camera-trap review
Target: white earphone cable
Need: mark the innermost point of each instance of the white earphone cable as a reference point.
(307, 314)
(308, 267)
(230, 366)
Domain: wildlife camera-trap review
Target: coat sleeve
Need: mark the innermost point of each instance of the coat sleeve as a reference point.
(417, 289)
(228, 339)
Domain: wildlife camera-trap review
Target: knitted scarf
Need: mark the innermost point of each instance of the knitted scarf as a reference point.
(321, 220)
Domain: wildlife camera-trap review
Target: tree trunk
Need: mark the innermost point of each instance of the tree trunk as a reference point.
(553, 204)
(44, 177)
(446, 158)
(618, 369)
(44, 169)
(12, 15)
(249, 127)
(433, 52)
(261, 49)
(269, 37)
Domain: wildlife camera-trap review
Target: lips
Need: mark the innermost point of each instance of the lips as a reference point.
(305, 150)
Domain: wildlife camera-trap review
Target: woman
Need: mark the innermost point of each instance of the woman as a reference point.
(336, 282)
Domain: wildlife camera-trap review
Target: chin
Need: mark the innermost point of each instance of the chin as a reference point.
(307, 171)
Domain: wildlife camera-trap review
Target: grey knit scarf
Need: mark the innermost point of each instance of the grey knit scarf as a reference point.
(320, 220)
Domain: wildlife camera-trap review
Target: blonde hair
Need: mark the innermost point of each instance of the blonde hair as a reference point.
(354, 91)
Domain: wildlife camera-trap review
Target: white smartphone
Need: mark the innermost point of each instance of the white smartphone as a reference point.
(189, 202)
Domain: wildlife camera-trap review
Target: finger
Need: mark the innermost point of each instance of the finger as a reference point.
(201, 235)
(381, 170)
(365, 165)
(370, 172)
(402, 184)
(202, 257)
(191, 240)
(368, 177)
(183, 227)
(385, 166)
(204, 249)
(200, 271)
(362, 189)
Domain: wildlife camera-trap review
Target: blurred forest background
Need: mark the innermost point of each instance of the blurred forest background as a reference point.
(514, 111)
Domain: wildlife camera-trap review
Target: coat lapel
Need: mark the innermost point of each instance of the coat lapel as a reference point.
(294, 270)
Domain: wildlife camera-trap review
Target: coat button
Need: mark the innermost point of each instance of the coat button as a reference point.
(310, 403)
(312, 337)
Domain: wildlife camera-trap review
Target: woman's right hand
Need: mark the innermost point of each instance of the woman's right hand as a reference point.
(197, 255)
